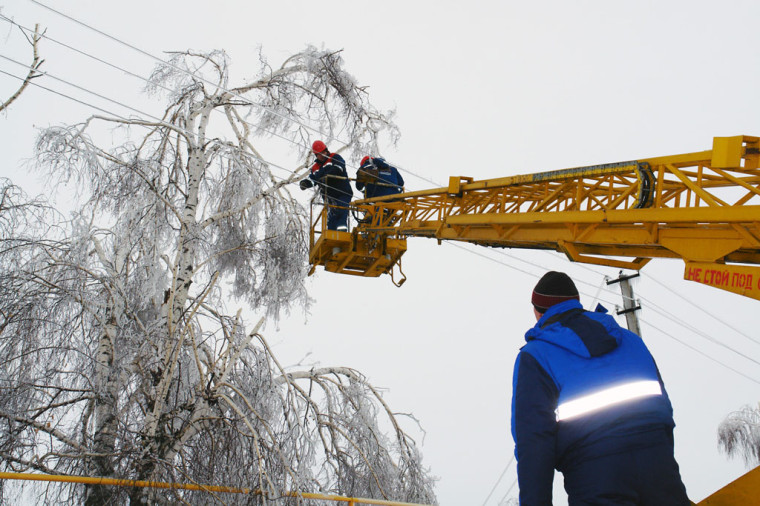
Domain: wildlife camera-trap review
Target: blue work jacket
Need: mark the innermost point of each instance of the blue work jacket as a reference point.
(332, 177)
(388, 177)
(583, 387)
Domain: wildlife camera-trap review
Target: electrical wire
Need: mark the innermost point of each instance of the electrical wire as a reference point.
(144, 114)
(511, 266)
(164, 62)
(701, 309)
(248, 102)
(65, 96)
(701, 352)
(137, 76)
(699, 332)
(274, 134)
(679, 321)
(667, 316)
(675, 318)
(503, 499)
(132, 74)
(160, 60)
(656, 308)
(671, 317)
(80, 88)
(509, 464)
(125, 119)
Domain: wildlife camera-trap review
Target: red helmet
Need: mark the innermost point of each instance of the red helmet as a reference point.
(318, 147)
(364, 160)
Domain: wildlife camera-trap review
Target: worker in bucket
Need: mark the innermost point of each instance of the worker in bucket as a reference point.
(377, 178)
(588, 400)
(329, 173)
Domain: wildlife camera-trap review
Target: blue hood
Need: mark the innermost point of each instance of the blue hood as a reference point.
(564, 323)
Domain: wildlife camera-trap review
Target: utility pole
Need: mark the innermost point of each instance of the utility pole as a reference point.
(630, 305)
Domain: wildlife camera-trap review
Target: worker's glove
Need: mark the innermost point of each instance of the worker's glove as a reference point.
(305, 184)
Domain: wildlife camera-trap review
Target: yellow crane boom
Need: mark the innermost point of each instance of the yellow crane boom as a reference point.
(702, 207)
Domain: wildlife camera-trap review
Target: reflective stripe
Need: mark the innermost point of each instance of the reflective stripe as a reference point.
(606, 398)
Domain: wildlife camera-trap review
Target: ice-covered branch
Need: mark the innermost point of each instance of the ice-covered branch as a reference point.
(34, 68)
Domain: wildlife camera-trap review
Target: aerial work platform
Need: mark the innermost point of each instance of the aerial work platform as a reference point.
(354, 253)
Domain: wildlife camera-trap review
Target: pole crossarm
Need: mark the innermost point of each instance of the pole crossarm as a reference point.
(89, 480)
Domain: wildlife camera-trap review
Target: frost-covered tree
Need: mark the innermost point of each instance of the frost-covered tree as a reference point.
(739, 435)
(121, 357)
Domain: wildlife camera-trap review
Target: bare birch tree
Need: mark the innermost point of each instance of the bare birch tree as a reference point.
(126, 360)
(739, 435)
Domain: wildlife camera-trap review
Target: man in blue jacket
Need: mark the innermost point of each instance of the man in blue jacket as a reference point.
(588, 400)
(380, 178)
(329, 173)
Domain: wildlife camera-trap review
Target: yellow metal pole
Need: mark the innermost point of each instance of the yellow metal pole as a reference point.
(88, 480)
(352, 501)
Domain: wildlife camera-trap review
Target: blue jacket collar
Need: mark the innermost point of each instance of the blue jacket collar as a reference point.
(559, 309)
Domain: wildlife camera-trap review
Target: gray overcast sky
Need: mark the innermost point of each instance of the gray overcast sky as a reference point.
(481, 89)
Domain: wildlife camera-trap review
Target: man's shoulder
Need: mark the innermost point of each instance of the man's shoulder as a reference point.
(534, 350)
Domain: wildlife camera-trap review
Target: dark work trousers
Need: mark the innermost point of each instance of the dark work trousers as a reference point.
(337, 214)
(639, 477)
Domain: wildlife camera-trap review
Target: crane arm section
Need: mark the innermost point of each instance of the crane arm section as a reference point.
(702, 207)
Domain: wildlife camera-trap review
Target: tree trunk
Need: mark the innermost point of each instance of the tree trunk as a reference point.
(106, 409)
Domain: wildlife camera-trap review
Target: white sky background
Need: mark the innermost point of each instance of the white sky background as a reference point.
(481, 89)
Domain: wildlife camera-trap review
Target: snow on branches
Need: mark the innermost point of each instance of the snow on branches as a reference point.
(739, 435)
(129, 362)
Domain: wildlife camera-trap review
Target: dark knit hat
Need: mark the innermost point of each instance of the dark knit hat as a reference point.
(554, 287)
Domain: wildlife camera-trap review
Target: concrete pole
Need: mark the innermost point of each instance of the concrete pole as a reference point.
(629, 303)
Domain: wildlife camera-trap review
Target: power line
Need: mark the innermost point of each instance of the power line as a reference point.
(667, 315)
(702, 353)
(100, 60)
(689, 327)
(503, 499)
(511, 266)
(699, 332)
(137, 76)
(164, 62)
(160, 60)
(249, 102)
(156, 58)
(679, 321)
(80, 88)
(509, 464)
(672, 319)
(127, 120)
(65, 96)
(703, 310)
